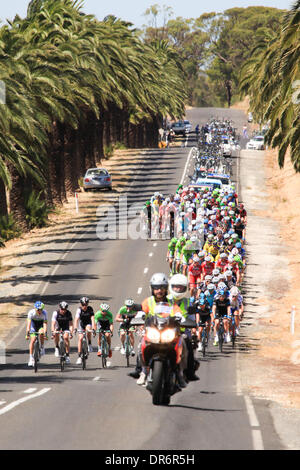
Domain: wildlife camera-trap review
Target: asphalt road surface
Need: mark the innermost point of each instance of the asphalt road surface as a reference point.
(106, 409)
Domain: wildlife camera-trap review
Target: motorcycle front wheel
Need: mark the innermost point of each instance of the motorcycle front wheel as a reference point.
(159, 396)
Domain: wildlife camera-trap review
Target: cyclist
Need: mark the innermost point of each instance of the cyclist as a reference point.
(210, 294)
(62, 320)
(194, 275)
(236, 305)
(84, 321)
(171, 253)
(124, 316)
(203, 316)
(221, 308)
(207, 267)
(105, 324)
(147, 214)
(191, 247)
(37, 320)
(178, 250)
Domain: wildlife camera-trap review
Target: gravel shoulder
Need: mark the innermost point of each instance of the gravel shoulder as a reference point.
(269, 354)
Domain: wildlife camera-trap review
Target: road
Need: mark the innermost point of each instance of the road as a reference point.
(105, 409)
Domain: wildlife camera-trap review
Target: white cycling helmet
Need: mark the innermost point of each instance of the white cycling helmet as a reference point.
(181, 282)
(234, 291)
(129, 303)
(104, 307)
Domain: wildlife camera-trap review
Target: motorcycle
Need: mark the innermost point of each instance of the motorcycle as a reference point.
(161, 350)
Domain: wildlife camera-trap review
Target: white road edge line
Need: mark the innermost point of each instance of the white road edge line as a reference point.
(254, 423)
(23, 400)
(186, 165)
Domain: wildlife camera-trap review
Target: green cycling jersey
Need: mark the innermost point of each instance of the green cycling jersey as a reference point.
(99, 317)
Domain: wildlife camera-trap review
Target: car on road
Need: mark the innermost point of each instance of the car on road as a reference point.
(188, 126)
(250, 117)
(97, 178)
(206, 183)
(181, 127)
(256, 143)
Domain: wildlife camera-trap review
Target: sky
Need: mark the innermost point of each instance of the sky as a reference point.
(133, 10)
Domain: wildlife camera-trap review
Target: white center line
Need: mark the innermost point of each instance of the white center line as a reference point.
(2, 402)
(146, 270)
(139, 290)
(96, 379)
(155, 244)
(150, 254)
(30, 390)
(23, 400)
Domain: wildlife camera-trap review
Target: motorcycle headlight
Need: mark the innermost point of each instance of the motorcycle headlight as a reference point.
(153, 335)
(167, 336)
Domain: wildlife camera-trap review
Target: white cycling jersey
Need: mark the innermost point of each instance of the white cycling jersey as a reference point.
(37, 319)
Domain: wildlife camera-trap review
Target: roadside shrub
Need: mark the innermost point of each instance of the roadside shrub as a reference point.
(108, 151)
(8, 228)
(37, 210)
(120, 146)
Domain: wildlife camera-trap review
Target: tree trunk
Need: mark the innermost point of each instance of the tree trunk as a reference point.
(61, 160)
(228, 92)
(70, 169)
(3, 199)
(16, 198)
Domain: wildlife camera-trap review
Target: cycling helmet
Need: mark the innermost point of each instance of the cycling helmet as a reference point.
(63, 305)
(84, 300)
(234, 291)
(222, 286)
(211, 287)
(104, 307)
(129, 303)
(181, 281)
(39, 305)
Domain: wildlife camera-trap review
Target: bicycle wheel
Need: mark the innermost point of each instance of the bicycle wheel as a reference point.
(127, 349)
(204, 343)
(84, 354)
(104, 351)
(36, 354)
(221, 337)
(233, 335)
(62, 354)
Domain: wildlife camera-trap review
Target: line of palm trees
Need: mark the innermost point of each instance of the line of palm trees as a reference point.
(73, 86)
(271, 77)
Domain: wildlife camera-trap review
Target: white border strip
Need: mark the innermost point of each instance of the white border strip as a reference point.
(22, 400)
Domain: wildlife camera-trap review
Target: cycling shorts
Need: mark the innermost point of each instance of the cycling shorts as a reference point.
(194, 280)
(218, 315)
(82, 328)
(205, 318)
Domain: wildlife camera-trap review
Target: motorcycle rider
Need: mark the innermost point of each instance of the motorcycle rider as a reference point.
(178, 289)
(159, 304)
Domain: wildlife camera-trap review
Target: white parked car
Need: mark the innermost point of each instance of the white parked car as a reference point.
(256, 143)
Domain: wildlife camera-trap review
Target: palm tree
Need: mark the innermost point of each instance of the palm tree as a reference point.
(269, 78)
